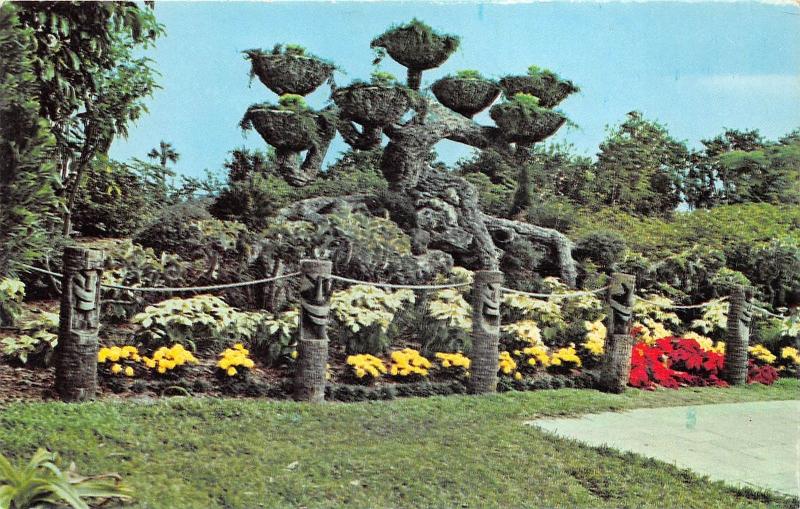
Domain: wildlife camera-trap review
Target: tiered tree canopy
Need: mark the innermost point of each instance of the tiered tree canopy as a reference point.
(448, 217)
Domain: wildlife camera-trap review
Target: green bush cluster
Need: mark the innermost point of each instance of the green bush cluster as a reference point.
(116, 201)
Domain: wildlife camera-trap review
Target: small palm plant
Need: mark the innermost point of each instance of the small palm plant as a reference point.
(42, 483)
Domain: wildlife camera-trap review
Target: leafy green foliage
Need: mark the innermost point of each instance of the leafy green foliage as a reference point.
(164, 154)
(45, 482)
(468, 74)
(528, 101)
(90, 80)
(278, 340)
(740, 166)
(365, 313)
(12, 291)
(604, 248)
(746, 243)
(129, 264)
(640, 167)
(774, 268)
(174, 230)
(719, 227)
(358, 244)
(383, 78)
(294, 49)
(203, 322)
(292, 102)
(115, 201)
(27, 175)
(35, 341)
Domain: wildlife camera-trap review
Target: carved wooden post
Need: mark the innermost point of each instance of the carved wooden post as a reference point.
(616, 366)
(737, 337)
(312, 348)
(485, 331)
(79, 324)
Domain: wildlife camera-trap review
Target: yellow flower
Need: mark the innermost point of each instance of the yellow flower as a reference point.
(761, 353)
(162, 369)
(517, 376)
(454, 360)
(116, 368)
(231, 371)
(506, 364)
(129, 371)
(567, 354)
(409, 362)
(790, 353)
(294, 354)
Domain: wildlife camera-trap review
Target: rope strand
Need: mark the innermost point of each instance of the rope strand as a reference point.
(674, 306)
(768, 313)
(173, 289)
(555, 295)
(399, 287)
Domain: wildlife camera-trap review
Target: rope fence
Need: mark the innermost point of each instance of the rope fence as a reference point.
(397, 286)
(240, 284)
(79, 323)
(569, 295)
(768, 313)
(222, 286)
(676, 306)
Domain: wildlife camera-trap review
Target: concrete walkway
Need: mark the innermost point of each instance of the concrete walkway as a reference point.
(750, 444)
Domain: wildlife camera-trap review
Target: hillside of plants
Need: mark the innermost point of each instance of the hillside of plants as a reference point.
(689, 223)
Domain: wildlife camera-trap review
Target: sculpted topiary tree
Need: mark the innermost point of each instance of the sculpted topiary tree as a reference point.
(445, 210)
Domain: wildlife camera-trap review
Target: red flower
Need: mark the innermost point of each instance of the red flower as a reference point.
(756, 373)
(675, 362)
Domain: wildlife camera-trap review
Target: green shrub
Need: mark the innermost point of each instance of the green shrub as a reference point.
(129, 264)
(528, 101)
(174, 230)
(29, 206)
(203, 323)
(558, 214)
(468, 74)
(493, 198)
(604, 248)
(295, 49)
(292, 102)
(45, 482)
(35, 342)
(114, 202)
(12, 291)
(365, 314)
(383, 78)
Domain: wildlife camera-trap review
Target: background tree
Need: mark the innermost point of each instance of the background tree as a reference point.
(27, 177)
(740, 166)
(640, 167)
(164, 154)
(90, 82)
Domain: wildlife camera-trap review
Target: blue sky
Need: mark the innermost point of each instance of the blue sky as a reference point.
(697, 67)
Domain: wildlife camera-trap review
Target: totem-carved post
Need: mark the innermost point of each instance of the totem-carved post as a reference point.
(79, 324)
(740, 314)
(485, 331)
(616, 366)
(312, 347)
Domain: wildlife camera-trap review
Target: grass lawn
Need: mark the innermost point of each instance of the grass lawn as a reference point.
(437, 452)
